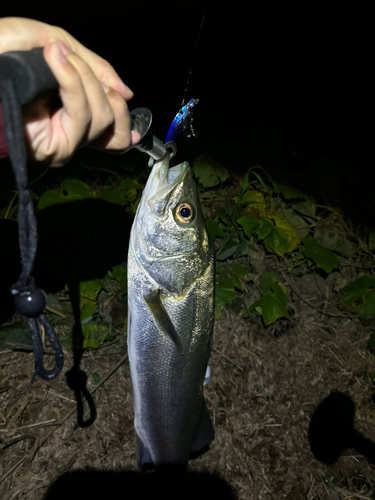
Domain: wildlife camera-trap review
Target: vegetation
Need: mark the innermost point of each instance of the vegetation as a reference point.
(279, 217)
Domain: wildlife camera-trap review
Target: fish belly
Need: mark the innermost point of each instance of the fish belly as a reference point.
(170, 415)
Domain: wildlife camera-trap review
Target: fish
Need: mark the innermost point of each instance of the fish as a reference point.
(181, 121)
(170, 318)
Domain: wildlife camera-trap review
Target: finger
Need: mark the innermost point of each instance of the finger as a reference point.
(69, 125)
(105, 72)
(136, 137)
(17, 33)
(118, 137)
(102, 69)
(102, 114)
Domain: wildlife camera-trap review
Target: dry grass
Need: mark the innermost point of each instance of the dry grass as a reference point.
(265, 386)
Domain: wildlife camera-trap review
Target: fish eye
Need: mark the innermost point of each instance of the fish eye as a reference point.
(184, 213)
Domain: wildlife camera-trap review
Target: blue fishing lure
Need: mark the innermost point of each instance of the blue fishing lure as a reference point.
(181, 121)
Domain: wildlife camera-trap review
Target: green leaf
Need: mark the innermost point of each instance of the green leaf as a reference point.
(131, 185)
(271, 305)
(355, 291)
(120, 195)
(230, 278)
(209, 172)
(264, 228)
(240, 270)
(213, 228)
(331, 239)
(266, 281)
(237, 283)
(345, 248)
(245, 182)
(87, 311)
(113, 194)
(225, 214)
(228, 252)
(307, 207)
(94, 335)
(372, 375)
(260, 180)
(371, 343)
(278, 242)
(120, 273)
(242, 250)
(248, 223)
(252, 197)
(323, 258)
(223, 294)
(366, 309)
(90, 289)
(70, 190)
(33, 195)
(96, 378)
(287, 191)
(297, 221)
(16, 333)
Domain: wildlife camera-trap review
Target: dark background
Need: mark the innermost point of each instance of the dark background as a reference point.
(284, 88)
(268, 78)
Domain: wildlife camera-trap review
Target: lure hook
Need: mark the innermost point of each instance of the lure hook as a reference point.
(182, 120)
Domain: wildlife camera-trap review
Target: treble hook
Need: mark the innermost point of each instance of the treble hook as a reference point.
(182, 120)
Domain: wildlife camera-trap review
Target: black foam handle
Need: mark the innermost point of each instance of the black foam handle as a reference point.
(30, 73)
(32, 77)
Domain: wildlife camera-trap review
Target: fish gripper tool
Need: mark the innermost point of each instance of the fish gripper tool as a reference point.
(25, 76)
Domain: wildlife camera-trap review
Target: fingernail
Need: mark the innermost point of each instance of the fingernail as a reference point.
(60, 49)
(105, 87)
(126, 90)
(129, 89)
(135, 137)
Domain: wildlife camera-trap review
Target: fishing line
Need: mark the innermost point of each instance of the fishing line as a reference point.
(184, 117)
(194, 52)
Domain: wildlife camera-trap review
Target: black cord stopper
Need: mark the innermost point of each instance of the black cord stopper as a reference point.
(30, 304)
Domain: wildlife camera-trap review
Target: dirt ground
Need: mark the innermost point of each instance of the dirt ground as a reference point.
(266, 396)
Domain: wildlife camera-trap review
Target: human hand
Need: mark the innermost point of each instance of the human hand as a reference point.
(94, 111)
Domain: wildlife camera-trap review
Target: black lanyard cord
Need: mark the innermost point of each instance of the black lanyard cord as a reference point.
(28, 299)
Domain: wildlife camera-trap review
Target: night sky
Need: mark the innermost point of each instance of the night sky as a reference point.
(281, 87)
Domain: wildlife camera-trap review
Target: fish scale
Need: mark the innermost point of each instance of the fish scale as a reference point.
(171, 418)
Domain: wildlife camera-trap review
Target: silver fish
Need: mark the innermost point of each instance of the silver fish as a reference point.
(170, 317)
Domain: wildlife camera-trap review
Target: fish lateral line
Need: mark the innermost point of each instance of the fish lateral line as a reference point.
(161, 318)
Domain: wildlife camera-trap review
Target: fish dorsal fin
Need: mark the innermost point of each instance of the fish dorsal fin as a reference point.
(161, 318)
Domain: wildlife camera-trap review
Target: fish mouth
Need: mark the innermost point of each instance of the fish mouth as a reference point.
(170, 177)
(166, 180)
(170, 174)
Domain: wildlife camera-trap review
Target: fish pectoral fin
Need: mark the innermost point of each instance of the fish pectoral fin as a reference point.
(161, 318)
